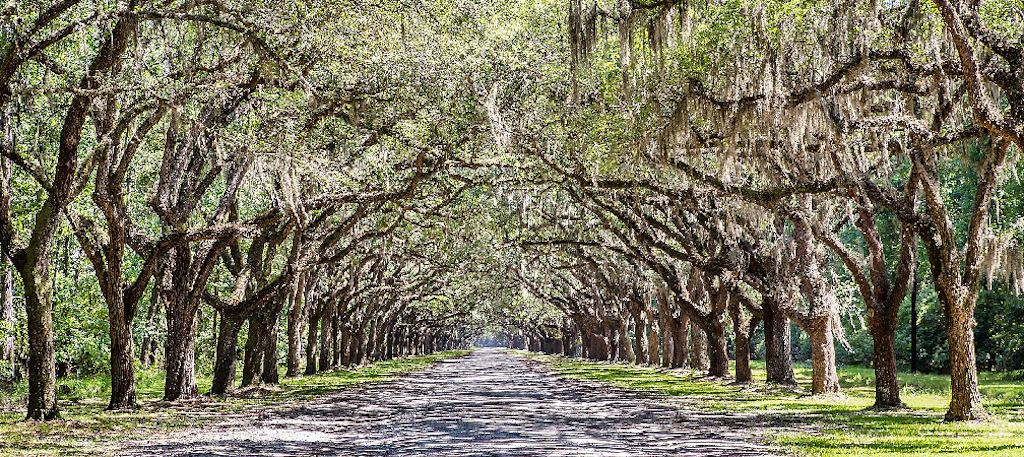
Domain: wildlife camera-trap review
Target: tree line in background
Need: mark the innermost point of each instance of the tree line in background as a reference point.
(315, 186)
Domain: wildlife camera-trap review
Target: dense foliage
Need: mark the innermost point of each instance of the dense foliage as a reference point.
(202, 185)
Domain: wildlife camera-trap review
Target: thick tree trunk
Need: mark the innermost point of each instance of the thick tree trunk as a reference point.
(718, 350)
(585, 345)
(824, 379)
(625, 344)
(227, 347)
(180, 356)
(680, 343)
(698, 349)
(295, 317)
(371, 341)
(965, 402)
(743, 374)
(122, 354)
(598, 347)
(326, 331)
(667, 334)
(887, 389)
(778, 353)
(359, 348)
(252, 365)
(742, 330)
(268, 343)
(311, 333)
(346, 343)
(817, 319)
(181, 306)
(957, 273)
(640, 334)
(42, 373)
(336, 341)
(653, 338)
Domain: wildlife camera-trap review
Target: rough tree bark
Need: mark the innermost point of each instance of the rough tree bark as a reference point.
(311, 335)
(680, 342)
(654, 338)
(698, 348)
(778, 353)
(296, 312)
(743, 327)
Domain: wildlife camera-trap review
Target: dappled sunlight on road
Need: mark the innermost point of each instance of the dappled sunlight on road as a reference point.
(488, 404)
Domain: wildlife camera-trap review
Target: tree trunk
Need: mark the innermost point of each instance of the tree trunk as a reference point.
(180, 355)
(336, 340)
(698, 349)
(743, 374)
(181, 307)
(227, 347)
(653, 338)
(346, 343)
(7, 314)
(373, 341)
(268, 343)
(311, 355)
(122, 353)
(295, 315)
(957, 272)
(817, 319)
(824, 379)
(778, 353)
(640, 333)
(599, 349)
(568, 341)
(42, 373)
(680, 345)
(326, 330)
(718, 349)
(743, 328)
(585, 345)
(965, 402)
(359, 348)
(667, 333)
(624, 343)
(252, 365)
(887, 389)
(147, 353)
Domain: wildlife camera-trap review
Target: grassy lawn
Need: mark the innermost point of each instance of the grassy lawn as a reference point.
(86, 429)
(838, 426)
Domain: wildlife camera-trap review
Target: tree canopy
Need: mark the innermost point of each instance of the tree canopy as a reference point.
(186, 184)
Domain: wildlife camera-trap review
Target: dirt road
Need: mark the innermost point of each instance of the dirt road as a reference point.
(490, 403)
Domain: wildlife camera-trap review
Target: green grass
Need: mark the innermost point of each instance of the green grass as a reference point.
(837, 426)
(86, 429)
